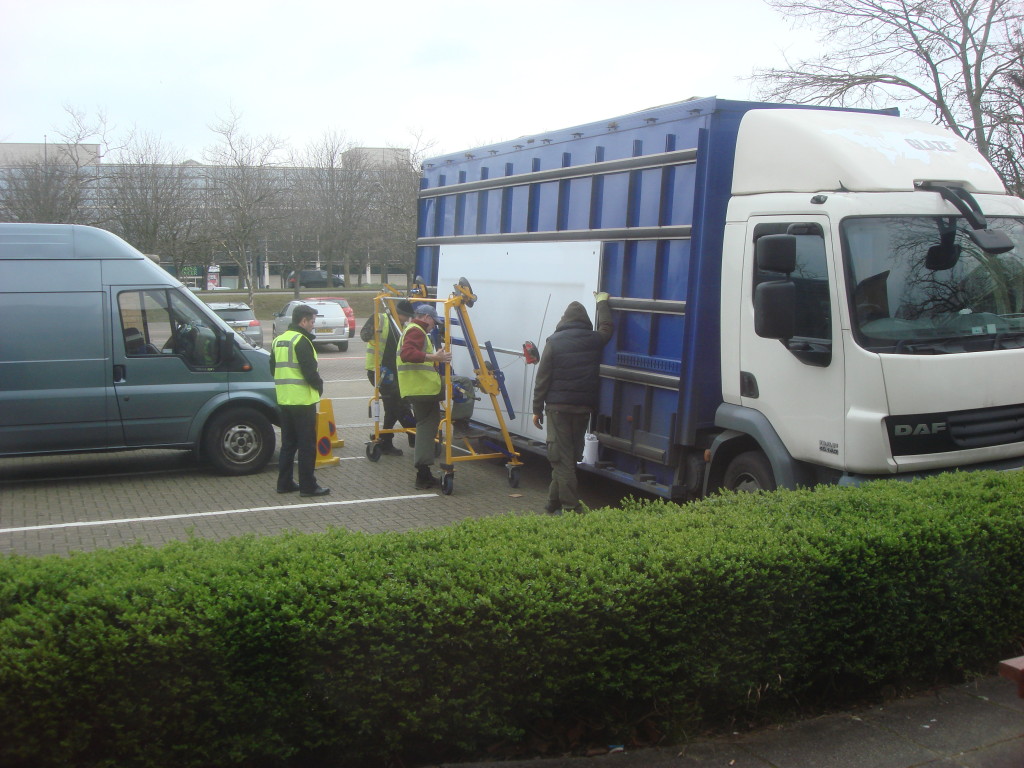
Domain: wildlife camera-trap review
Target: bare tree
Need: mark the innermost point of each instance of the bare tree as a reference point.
(153, 201)
(244, 185)
(940, 59)
(54, 187)
(394, 210)
(1006, 148)
(336, 182)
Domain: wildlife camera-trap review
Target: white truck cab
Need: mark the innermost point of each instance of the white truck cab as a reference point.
(901, 345)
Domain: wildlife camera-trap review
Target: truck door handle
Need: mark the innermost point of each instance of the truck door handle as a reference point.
(119, 373)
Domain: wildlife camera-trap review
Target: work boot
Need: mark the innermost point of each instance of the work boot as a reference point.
(318, 491)
(424, 479)
(553, 508)
(388, 449)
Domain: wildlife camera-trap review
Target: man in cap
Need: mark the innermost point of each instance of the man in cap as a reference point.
(420, 384)
(566, 391)
(395, 410)
(298, 386)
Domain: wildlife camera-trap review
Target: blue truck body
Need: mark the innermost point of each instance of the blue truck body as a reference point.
(654, 188)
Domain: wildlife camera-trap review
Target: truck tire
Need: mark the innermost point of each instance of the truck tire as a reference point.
(749, 472)
(239, 441)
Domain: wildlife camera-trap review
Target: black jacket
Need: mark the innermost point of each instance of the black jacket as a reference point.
(570, 363)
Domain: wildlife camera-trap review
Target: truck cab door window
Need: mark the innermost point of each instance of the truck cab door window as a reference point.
(812, 303)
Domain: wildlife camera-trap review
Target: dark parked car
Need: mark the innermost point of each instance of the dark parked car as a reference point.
(241, 319)
(315, 278)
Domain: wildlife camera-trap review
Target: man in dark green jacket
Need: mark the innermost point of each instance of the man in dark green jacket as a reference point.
(566, 392)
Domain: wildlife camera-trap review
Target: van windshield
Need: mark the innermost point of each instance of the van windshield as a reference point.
(920, 285)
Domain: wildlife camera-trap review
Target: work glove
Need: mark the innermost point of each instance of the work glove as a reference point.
(600, 296)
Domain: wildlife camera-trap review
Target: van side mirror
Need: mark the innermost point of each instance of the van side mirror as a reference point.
(227, 348)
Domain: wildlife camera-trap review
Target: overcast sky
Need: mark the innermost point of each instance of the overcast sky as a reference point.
(457, 72)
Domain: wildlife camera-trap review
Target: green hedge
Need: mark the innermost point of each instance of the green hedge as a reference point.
(337, 648)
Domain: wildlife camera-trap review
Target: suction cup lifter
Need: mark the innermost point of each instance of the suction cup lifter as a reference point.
(990, 241)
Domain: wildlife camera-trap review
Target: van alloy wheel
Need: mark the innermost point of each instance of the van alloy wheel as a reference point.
(239, 441)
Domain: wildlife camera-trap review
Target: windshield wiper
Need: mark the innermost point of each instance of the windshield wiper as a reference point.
(930, 347)
(955, 344)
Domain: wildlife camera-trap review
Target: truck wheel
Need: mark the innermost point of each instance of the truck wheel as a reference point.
(239, 441)
(749, 472)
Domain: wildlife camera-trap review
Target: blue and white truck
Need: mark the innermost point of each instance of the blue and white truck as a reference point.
(801, 295)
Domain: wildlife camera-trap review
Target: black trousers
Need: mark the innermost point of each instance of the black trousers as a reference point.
(395, 409)
(298, 436)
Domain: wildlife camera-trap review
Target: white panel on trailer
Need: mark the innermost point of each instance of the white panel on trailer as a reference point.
(522, 290)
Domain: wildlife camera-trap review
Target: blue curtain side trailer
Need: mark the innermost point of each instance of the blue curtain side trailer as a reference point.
(653, 188)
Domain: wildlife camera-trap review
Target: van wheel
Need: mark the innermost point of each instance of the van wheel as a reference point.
(239, 441)
(749, 472)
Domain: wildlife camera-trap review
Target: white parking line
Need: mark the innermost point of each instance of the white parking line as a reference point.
(276, 508)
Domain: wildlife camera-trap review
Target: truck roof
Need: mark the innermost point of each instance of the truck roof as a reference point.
(801, 150)
(639, 122)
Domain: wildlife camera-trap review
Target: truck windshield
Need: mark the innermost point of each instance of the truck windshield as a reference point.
(918, 285)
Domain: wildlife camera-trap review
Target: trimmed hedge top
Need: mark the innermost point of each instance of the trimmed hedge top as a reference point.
(336, 648)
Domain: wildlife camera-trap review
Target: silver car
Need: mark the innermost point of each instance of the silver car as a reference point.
(241, 319)
(330, 327)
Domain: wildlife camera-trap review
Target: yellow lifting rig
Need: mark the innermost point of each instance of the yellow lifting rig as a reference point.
(487, 379)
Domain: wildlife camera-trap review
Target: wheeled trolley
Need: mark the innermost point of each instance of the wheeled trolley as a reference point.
(487, 380)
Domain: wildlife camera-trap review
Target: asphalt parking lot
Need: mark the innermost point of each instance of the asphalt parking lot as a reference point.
(61, 504)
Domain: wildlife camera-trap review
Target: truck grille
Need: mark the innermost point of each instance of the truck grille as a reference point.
(922, 433)
(988, 426)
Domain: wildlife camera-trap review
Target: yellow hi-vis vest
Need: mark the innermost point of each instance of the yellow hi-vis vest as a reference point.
(417, 378)
(290, 386)
(385, 329)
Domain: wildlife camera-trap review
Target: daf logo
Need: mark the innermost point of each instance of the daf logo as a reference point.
(933, 145)
(904, 430)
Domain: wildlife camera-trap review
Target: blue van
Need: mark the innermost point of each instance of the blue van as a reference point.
(102, 350)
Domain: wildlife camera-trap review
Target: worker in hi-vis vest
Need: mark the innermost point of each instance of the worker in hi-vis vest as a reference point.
(420, 384)
(298, 386)
(395, 409)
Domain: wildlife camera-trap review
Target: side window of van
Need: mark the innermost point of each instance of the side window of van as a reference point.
(159, 322)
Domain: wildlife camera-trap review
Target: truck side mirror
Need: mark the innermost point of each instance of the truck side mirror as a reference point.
(993, 241)
(775, 309)
(775, 300)
(776, 253)
(945, 255)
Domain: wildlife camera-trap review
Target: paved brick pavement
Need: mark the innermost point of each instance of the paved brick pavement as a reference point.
(55, 505)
